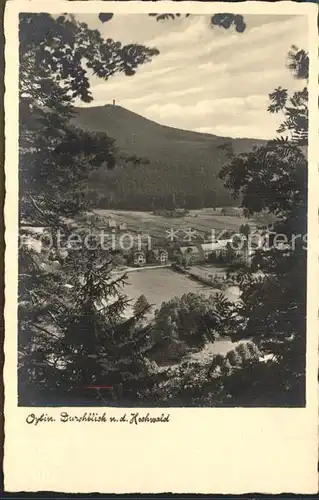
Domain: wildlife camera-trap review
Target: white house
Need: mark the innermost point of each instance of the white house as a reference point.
(139, 258)
(160, 255)
(218, 248)
(111, 223)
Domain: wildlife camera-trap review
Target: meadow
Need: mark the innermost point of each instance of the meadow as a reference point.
(202, 221)
(160, 285)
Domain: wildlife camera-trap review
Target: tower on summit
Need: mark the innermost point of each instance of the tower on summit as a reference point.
(113, 102)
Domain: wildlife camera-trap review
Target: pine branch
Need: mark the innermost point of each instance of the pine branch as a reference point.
(44, 330)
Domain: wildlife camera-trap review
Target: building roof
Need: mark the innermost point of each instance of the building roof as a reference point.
(159, 250)
(137, 251)
(215, 245)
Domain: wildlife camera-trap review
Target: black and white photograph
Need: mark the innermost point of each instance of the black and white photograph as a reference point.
(161, 262)
(162, 209)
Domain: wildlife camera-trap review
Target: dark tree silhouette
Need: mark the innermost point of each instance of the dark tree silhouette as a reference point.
(274, 178)
(68, 335)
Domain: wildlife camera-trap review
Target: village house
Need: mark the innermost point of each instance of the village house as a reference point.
(158, 255)
(218, 249)
(138, 257)
(111, 223)
(122, 226)
(225, 250)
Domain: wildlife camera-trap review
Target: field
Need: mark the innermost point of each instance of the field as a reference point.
(160, 285)
(202, 221)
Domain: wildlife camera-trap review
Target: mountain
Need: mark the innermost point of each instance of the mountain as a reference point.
(181, 170)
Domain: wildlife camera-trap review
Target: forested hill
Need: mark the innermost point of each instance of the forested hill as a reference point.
(182, 168)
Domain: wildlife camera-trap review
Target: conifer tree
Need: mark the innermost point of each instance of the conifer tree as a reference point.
(273, 178)
(64, 332)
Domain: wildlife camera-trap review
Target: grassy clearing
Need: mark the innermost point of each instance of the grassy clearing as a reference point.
(160, 285)
(202, 221)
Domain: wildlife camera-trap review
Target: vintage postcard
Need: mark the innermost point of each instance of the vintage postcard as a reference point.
(161, 247)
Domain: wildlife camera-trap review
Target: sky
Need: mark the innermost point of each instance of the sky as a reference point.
(204, 79)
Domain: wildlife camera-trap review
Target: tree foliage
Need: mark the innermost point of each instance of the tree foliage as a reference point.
(221, 380)
(192, 318)
(224, 20)
(141, 305)
(295, 107)
(57, 48)
(71, 314)
(273, 178)
(227, 20)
